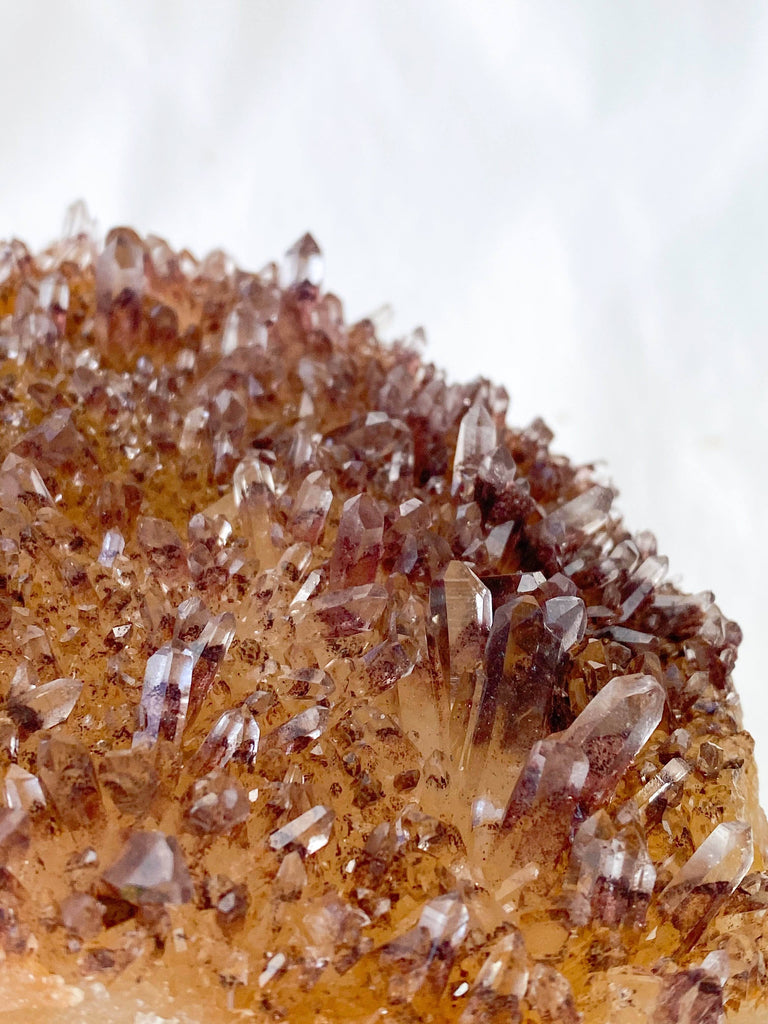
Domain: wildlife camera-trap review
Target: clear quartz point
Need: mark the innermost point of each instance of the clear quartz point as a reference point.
(476, 440)
(501, 983)
(69, 778)
(611, 872)
(576, 770)
(707, 879)
(120, 266)
(78, 221)
(303, 262)
(208, 651)
(235, 732)
(461, 604)
(297, 731)
(536, 825)
(215, 804)
(20, 480)
(130, 779)
(351, 610)
(112, 547)
(151, 869)
(165, 696)
(566, 617)
(358, 547)
(522, 664)
(22, 790)
(311, 507)
(656, 794)
(569, 525)
(422, 951)
(46, 706)
(309, 832)
(14, 830)
(613, 729)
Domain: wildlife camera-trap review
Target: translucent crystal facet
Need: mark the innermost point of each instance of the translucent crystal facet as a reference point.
(476, 439)
(358, 545)
(150, 869)
(708, 878)
(165, 696)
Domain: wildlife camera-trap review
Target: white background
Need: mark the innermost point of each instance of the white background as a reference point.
(571, 197)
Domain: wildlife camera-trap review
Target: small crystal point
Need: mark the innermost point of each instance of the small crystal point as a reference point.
(566, 617)
(358, 547)
(165, 696)
(215, 804)
(68, 776)
(500, 985)
(22, 790)
(20, 480)
(475, 441)
(120, 266)
(82, 915)
(309, 832)
(569, 525)
(462, 605)
(44, 707)
(537, 822)
(612, 873)
(112, 547)
(311, 507)
(78, 221)
(303, 263)
(235, 731)
(151, 869)
(423, 955)
(446, 919)
(14, 830)
(352, 610)
(130, 779)
(253, 489)
(208, 651)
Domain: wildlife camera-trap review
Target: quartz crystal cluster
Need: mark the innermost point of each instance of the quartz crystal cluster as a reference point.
(326, 695)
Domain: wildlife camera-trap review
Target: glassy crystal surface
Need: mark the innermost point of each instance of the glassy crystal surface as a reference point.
(165, 696)
(150, 869)
(328, 695)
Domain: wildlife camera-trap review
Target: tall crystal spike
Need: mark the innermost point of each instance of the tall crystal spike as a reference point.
(476, 440)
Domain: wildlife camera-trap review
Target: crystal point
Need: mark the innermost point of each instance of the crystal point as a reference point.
(303, 263)
(613, 729)
(358, 548)
(151, 869)
(475, 441)
(165, 696)
(709, 876)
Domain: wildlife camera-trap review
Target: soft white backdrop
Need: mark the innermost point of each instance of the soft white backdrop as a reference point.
(570, 197)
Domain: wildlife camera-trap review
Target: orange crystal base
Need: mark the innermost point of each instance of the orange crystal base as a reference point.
(328, 696)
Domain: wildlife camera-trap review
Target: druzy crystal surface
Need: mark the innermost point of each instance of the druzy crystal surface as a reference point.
(326, 695)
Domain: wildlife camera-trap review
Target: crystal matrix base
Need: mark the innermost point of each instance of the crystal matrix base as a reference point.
(328, 696)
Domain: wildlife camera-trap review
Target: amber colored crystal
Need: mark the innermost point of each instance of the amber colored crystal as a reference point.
(325, 694)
